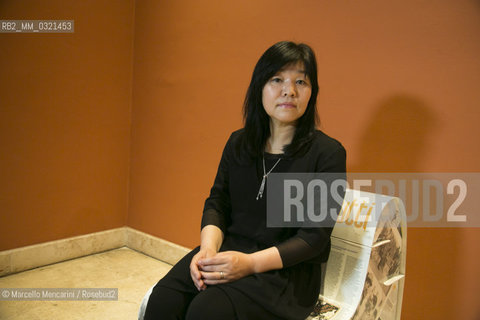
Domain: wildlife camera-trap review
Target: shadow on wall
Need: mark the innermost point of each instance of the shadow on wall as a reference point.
(395, 138)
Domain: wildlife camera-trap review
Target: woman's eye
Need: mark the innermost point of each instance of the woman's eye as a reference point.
(276, 80)
(301, 82)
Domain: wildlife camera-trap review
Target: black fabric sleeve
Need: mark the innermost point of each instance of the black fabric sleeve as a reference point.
(313, 243)
(217, 206)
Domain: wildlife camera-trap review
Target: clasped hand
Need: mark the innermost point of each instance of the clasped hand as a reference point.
(210, 268)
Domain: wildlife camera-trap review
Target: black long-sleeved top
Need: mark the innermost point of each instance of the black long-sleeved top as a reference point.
(288, 293)
(232, 205)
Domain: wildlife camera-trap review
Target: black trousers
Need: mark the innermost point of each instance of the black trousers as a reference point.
(169, 304)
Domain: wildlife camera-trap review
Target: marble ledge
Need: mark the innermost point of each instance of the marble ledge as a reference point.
(155, 247)
(29, 257)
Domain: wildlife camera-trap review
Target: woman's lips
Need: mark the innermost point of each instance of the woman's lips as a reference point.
(287, 105)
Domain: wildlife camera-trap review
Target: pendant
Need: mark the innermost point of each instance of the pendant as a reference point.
(262, 186)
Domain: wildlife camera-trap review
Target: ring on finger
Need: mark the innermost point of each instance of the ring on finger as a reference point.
(222, 275)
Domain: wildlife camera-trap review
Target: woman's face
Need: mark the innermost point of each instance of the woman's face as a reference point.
(285, 96)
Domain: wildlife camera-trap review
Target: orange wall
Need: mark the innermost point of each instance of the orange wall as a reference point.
(65, 103)
(398, 86)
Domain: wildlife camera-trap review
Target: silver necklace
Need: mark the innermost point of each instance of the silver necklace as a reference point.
(265, 175)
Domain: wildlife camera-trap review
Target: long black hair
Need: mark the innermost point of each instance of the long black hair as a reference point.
(257, 122)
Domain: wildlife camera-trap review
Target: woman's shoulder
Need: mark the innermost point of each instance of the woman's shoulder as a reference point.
(237, 133)
(235, 138)
(329, 153)
(234, 147)
(322, 141)
(234, 141)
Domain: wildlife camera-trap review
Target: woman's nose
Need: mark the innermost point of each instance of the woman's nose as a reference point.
(289, 89)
